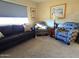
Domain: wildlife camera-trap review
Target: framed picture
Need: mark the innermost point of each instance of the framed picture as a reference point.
(33, 13)
(58, 11)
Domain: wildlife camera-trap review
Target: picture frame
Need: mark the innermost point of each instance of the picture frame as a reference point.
(33, 13)
(58, 11)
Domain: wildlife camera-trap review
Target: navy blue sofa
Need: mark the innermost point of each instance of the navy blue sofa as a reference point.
(14, 34)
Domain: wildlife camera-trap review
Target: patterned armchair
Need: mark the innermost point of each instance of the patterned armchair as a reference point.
(67, 33)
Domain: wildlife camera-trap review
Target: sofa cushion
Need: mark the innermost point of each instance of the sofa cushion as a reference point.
(13, 40)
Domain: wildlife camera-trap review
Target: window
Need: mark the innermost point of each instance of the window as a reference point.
(12, 14)
(13, 20)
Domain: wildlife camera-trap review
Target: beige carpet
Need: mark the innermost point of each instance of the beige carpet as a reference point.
(43, 47)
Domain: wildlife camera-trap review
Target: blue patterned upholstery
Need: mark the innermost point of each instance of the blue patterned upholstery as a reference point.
(68, 33)
(70, 25)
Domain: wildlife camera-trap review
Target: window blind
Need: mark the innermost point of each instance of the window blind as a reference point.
(12, 10)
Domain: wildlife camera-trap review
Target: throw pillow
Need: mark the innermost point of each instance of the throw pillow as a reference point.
(1, 35)
(27, 27)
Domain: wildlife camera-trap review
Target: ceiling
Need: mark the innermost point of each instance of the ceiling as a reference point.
(39, 0)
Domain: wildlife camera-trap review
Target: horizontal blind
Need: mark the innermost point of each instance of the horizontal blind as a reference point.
(12, 10)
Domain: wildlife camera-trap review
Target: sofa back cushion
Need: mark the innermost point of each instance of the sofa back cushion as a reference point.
(11, 29)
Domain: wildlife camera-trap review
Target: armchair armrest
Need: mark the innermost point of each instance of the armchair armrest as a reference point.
(73, 31)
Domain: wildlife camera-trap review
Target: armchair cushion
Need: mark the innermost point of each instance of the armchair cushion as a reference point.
(62, 29)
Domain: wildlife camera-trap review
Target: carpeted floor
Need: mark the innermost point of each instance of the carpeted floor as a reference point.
(43, 47)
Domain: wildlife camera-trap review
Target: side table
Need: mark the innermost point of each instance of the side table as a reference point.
(52, 32)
